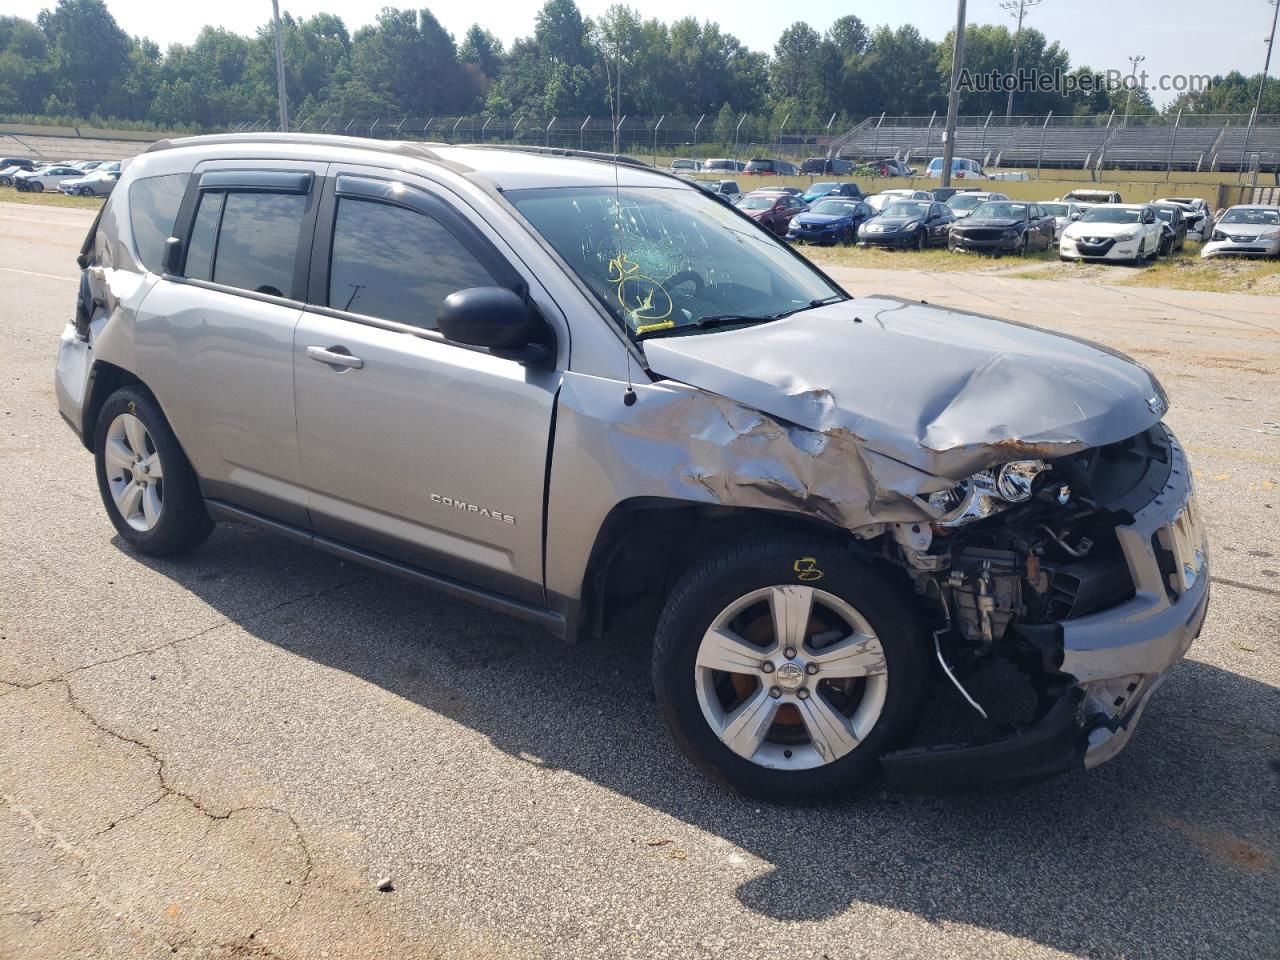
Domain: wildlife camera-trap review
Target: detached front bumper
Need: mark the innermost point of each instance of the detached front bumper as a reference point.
(1244, 248)
(1110, 663)
(895, 239)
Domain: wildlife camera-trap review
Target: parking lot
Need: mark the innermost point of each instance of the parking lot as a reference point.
(227, 754)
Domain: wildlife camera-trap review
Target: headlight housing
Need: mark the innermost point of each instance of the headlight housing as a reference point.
(1269, 235)
(912, 225)
(987, 493)
(1122, 238)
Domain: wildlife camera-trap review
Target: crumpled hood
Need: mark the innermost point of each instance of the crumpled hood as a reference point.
(821, 219)
(1002, 223)
(944, 391)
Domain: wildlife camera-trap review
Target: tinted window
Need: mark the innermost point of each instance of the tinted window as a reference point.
(204, 234)
(153, 206)
(397, 264)
(258, 241)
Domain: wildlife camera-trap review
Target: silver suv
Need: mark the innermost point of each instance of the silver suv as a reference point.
(560, 386)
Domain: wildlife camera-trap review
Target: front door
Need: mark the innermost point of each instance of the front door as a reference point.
(415, 448)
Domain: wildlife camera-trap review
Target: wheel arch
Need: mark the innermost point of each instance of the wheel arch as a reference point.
(105, 378)
(645, 545)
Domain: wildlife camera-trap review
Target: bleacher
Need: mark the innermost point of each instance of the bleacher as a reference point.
(1231, 150)
(1147, 142)
(67, 148)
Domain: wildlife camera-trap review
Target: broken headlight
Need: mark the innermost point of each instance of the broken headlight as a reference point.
(987, 492)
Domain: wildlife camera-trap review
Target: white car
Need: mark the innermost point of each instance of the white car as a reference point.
(1199, 216)
(961, 169)
(1248, 230)
(1114, 231)
(964, 203)
(879, 201)
(45, 178)
(1064, 213)
(684, 165)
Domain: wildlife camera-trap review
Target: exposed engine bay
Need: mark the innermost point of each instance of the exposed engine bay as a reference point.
(1029, 544)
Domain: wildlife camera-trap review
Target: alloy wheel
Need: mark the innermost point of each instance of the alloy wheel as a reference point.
(790, 677)
(135, 476)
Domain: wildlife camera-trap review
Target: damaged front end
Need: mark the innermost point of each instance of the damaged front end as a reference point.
(1021, 480)
(1092, 581)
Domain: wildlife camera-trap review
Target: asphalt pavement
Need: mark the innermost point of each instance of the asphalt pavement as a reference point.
(226, 755)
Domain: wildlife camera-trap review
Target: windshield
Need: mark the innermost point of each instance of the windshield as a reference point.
(1000, 210)
(906, 208)
(680, 258)
(833, 208)
(1166, 213)
(1259, 217)
(1056, 209)
(718, 165)
(758, 201)
(965, 201)
(1111, 214)
(820, 188)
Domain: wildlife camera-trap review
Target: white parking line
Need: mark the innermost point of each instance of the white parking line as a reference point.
(34, 273)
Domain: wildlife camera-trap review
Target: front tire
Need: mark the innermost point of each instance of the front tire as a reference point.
(149, 489)
(786, 668)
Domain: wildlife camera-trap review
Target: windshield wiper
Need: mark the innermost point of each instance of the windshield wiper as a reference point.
(728, 319)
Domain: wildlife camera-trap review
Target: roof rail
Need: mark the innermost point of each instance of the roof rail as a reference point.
(560, 152)
(418, 151)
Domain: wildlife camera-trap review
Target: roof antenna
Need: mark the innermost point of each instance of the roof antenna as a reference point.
(615, 107)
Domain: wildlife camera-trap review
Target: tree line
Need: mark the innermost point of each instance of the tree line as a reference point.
(74, 61)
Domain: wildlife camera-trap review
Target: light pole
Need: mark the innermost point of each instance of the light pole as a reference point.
(1133, 76)
(1016, 8)
(1266, 66)
(953, 98)
(1262, 85)
(284, 99)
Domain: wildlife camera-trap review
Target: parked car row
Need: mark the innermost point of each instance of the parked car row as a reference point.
(86, 178)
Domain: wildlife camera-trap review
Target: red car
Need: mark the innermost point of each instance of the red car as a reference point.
(773, 211)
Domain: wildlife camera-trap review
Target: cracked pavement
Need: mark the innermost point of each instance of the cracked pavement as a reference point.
(221, 755)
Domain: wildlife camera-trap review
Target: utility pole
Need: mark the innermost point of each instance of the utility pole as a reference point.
(1262, 85)
(1016, 8)
(953, 99)
(1133, 76)
(1266, 66)
(284, 99)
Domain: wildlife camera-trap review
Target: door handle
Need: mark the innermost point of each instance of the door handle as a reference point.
(335, 357)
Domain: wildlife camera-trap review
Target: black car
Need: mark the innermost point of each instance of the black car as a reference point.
(762, 167)
(914, 224)
(1004, 226)
(826, 166)
(1174, 235)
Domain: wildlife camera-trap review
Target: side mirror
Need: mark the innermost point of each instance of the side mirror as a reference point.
(492, 317)
(171, 258)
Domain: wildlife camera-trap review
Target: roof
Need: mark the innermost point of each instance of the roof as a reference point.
(503, 167)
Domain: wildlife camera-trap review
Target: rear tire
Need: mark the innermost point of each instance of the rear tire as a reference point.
(867, 704)
(149, 489)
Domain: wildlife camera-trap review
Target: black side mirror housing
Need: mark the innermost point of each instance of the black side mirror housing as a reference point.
(496, 318)
(171, 259)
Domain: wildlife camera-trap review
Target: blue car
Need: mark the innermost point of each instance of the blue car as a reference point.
(829, 221)
(817, 191)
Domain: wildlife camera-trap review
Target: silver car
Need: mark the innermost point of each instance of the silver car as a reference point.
(1246, 230)
(99, 182)
(562, 386)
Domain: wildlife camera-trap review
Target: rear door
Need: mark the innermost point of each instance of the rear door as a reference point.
(219, 345)
(415, 448)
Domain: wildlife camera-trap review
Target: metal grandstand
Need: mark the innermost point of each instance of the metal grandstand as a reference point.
(1201, 142)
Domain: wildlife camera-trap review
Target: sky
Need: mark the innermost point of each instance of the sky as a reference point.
(1176, 36)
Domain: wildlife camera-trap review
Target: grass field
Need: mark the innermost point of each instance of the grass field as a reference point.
(49, 198)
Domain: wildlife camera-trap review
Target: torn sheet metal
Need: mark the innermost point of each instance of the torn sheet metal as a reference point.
(945, 391)
(679, 443)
